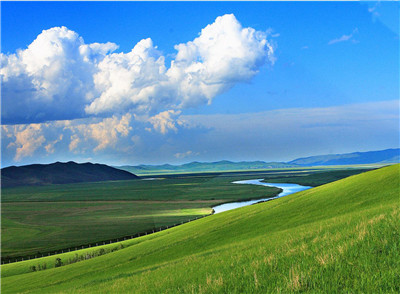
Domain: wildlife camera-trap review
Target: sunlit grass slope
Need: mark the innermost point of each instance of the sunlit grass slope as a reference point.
(339, 237)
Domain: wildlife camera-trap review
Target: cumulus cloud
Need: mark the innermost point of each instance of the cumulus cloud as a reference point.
(75, 140)
(51, 79)
(50, 146)
(268, 135)
(225, 53)
(58, 76)
(131, 80)
(105, 133)
(77, 136)
(166, 121)
(345, 38)
(27, 139)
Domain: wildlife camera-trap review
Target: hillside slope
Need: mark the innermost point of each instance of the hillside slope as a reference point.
(340, 237)
(370, 157)
(61, 173)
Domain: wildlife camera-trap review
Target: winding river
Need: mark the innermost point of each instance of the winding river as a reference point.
(287, 190)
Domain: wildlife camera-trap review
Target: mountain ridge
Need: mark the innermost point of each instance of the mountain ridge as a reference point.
(368, 157)
(61, 173)
(72, 172)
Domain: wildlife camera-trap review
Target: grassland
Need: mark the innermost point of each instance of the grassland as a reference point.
(339, 237)
(42, 219)
(32, 228)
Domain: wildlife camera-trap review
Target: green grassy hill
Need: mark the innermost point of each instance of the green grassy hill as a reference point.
(339, 237)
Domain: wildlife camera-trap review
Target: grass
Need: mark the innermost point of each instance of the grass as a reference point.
(208, 187)
(42, 219)
(340, 237)
(32, 227)
(48, 218)
(206, 169)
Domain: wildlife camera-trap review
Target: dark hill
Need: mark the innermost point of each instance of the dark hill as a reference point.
(61, 173)
(370, 157)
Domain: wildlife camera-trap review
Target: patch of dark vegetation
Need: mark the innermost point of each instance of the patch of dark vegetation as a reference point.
(39, 267)
(77, 257)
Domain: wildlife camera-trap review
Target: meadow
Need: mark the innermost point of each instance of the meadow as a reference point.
(37, 220)
(340, 237)
(42, 219)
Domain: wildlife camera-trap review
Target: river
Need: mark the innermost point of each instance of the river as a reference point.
(287, 190)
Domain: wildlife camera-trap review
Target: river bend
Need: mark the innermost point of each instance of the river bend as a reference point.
(287, 189)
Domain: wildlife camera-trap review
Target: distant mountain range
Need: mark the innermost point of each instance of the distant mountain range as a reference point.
(370, 157)
(195, 166)
(61, 173)
(71, 172)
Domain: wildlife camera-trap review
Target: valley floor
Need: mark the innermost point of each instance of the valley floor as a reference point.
(38, 220)
(340, 237)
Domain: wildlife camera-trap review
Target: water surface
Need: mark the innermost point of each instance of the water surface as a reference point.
(287, 190)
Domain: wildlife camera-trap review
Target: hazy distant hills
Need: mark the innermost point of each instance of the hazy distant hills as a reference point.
(195, 166)
(371, 157)
(61, 173)
(383, 156)
(71, 172)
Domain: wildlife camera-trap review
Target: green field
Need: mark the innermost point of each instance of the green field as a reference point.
(228, 166)
(42, 219)
(339, 237)
(37, 220)
(32, 227)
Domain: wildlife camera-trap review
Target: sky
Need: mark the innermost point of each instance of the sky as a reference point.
(128, 83)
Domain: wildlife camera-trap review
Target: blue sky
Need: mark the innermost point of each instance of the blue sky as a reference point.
(315, 78)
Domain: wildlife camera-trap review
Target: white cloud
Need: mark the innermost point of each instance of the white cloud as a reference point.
(165, 121)
(271, 32)
(50, 146)
(374, 9)
(268, 135)
(75, 140)
(77, 136)
(28, 138)
(105, 133)
(185, 154)
(131, 80)
(51, 79)
(225, 53)
(60, 77)
(345, 38)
